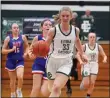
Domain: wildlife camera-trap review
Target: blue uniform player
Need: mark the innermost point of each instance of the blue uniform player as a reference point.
(40, 83)
(14, 48)
(39, 63)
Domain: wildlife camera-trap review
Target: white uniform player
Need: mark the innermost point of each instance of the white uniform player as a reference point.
(92, 66)
(90, 70)
(60, 58)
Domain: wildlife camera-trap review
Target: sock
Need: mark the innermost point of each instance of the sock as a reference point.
(68, 84)
(19, 89)
(13, 94)
(88, 95)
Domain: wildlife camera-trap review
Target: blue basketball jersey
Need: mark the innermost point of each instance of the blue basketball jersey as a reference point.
(40, 60)
(18, 53)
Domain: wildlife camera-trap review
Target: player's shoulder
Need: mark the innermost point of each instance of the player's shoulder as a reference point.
(7, 38)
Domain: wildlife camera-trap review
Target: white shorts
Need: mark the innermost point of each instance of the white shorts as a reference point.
(90, 69)
(58, 65)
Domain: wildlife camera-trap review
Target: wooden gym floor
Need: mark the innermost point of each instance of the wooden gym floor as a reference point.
(99, 91)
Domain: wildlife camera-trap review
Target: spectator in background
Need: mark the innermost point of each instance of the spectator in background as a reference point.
(88, 15)
(86, 24)
(74, 21)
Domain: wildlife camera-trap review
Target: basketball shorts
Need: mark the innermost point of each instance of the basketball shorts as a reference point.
(39, 69)
(58, 65)
(90, 69)
(11, 64)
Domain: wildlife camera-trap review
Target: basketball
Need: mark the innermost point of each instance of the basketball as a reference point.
(40, 48)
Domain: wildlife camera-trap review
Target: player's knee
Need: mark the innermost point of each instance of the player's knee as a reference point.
(45, 92)
(12, 82)
(56, 88)
(36, 88)
(20, 76)
(86, 84)
(92, 83)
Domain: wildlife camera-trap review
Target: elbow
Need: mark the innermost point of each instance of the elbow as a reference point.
(3, 52)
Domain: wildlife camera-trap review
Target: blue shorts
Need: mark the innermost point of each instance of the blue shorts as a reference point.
(11, 64)
(39, 69)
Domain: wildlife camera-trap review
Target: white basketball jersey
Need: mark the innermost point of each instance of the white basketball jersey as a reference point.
(62, 45)
(92, 54)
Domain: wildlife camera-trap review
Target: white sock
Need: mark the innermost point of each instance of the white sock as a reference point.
(13, 94)
(19, 89)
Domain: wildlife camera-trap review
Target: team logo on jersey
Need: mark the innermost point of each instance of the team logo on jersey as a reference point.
(85, 73)
(49, 75)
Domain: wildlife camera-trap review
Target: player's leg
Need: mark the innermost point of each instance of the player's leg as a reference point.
(20, 73)
(12, 76)
(91, 87)
(85, 77)
(10, 66)
(58, 84)
(51, 69)
(38, 72)
(94, 72)
(37, 82)
(62, 75)
(44, 88)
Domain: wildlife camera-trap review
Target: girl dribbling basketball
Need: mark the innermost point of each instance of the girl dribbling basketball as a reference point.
(38, 68)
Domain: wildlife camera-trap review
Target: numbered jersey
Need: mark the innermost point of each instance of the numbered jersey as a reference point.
(92, 54)
(63, 44)
(18, 53)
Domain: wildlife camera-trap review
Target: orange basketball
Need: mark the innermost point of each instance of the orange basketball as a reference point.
(41, 48)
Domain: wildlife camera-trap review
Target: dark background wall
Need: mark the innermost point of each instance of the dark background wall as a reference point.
(101, 18)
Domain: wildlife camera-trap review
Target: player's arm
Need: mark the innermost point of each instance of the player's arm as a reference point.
(50, 35)
(5, 49)
(26, 45)
(32, 56)
(78, 42)
(79, 57)
(101, 51)
(35, 39)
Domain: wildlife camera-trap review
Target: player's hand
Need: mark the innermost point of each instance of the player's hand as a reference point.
(14, 48)
(25, 55)
(31, 55)
(85, 58)
(81, 63)
(104, 60)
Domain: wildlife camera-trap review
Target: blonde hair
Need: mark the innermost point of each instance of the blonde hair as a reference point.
(65, 9)
(56, 18)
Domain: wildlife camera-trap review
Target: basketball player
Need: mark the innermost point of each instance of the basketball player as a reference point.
(74, 72)
(40, 83)
(90, 70)
(14, 48)
(62, 39)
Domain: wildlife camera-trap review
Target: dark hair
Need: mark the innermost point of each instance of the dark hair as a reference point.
(44, 21)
